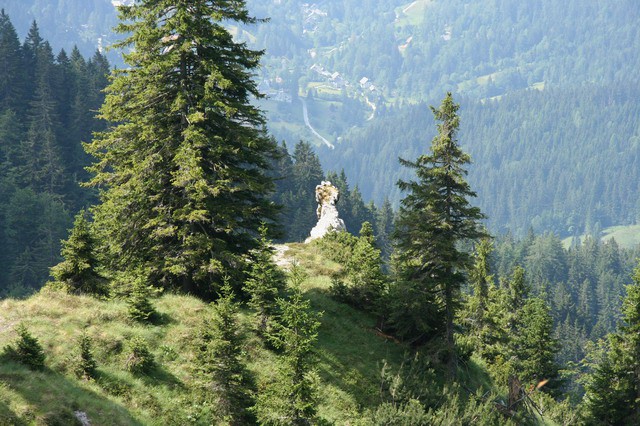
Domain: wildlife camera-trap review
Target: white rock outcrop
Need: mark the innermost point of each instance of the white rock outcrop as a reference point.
(327, 197)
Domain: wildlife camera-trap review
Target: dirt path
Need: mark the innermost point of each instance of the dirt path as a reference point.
(279, 255)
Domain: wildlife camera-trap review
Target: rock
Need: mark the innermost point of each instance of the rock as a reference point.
(327, 197)
(82, 418)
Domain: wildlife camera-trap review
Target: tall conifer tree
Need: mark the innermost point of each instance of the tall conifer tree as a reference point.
(434, 218)
(613, 388)
(11, 81)
(184, 170)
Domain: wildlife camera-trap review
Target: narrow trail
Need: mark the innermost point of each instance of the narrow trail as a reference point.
(305, 114)
(279, 257)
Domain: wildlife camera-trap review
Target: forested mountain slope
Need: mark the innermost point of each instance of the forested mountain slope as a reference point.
(548, 98)
(359, 64)
(65, 23)
(360, 374)
(564, 160)
(422, 48)
(47, 105)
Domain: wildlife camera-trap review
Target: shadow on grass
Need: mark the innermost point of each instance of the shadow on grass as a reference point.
(350, 354)
(160, 318)
(156, 319)
(8, 417)
(53, 399)
(160, 376)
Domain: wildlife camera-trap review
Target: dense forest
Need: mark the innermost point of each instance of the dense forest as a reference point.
(67, 23)
(574, 150)
(167, 301)
(47, 107)
(543, 77)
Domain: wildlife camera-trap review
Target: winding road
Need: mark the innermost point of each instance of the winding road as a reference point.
(305, 113)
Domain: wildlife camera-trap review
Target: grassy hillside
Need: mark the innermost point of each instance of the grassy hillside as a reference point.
(350, 356)
(626, 236)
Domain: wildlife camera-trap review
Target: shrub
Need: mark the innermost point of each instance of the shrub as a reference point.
(27, 350)
(85, 365)
(140, 359)
(139, 304)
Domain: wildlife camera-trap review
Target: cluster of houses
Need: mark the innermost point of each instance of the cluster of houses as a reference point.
(334, 78)
(311, 15)
(274, 90)
(338, 81)
(366, 84)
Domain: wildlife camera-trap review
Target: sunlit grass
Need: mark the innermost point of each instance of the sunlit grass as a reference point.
(349, 356)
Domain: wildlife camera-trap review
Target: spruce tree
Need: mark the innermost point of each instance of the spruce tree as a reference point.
(27, 349)
(85, 364)
(364, 270)
(11, 82)
(613, 388)
(435, 217)
(227, 382)
(532, 346)
(479, 321)
(292, 398)
(78, 272)
(139, 305)
(481, 279)
(307, 173)
(265, 282)
(384, 228)
(184, 170)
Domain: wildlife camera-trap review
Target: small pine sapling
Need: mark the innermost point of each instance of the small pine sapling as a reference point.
(77, 273)
(265, 283)
(292, 397)
(139, 303)
(85, 364)
(27, 350)
(227, 381)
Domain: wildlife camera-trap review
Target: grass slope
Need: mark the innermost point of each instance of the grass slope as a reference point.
(350, 356)
(627, 237)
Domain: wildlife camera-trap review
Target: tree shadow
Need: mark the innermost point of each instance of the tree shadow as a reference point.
(8, 417)
(161, 318)
(350, 354)
(161, 376)
(54, 399)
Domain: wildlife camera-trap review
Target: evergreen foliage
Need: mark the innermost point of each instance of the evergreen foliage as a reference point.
(533, 347)
(85, 365)
(291, 399)
(185, 168)
(434, 218)
(613, 388)
(479, 315)
(139, 305)
(77, 273)
(26, 350)
(363, 266)
(40, 141)
(307, 173)
(139, 360)
(227, 382)
(265, 283)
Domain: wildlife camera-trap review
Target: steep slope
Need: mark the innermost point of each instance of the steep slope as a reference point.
(349, 358)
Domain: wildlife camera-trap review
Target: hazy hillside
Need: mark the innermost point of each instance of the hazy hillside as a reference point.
(550, 160)
(335, 71)
(563, 160)
(65, 23)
